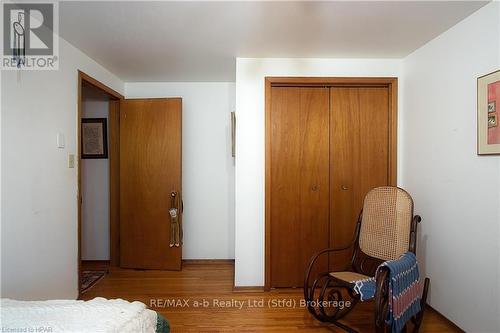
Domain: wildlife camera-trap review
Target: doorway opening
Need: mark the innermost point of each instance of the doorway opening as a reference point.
(129, 182)
(98, 180)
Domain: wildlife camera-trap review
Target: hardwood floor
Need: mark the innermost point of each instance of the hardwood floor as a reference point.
(174, 295)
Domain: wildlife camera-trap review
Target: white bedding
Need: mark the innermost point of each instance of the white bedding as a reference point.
(97, 315)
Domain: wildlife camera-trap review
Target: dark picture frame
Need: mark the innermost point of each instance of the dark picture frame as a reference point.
(94, 141)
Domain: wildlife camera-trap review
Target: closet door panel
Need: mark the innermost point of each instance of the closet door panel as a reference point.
(359, 148)
(299, 181)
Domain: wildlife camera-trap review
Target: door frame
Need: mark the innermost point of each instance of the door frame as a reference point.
(114, 171)
(271, 81)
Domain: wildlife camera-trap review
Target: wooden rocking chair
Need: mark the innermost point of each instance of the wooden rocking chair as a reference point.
(385, 230)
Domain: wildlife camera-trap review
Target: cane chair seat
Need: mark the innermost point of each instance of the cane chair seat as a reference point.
(349, 276)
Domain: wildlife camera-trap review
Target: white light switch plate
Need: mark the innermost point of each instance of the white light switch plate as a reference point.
(71, 161)
(60, 140)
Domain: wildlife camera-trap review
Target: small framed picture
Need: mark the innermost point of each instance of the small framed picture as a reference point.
(492, 120)
(94, 138)
(488, 97)
(492, 106)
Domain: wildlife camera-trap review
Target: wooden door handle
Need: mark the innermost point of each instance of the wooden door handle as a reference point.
(344, 187)
(175, 232)
(173, 199)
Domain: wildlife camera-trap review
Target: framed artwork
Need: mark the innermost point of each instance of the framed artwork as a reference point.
(488, 113)
(94, 138)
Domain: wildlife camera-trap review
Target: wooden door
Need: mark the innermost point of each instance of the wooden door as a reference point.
(299, 181)
(150, 170)
(359, 150)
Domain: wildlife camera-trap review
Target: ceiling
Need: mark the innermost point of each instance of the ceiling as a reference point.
(199, 41)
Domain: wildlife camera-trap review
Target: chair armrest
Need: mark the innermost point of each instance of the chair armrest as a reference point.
(315, 257)
(413, 233)
(330, 249)
(381, 273)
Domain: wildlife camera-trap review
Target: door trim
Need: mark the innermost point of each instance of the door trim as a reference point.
(390, 82)
(114, 160)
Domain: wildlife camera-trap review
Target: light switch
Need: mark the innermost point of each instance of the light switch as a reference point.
(60, 140)
(71, 161)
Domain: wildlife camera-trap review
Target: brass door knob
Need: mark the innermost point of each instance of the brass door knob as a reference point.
(344, 188)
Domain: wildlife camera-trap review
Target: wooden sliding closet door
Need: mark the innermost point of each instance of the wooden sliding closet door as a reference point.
(299, 181)
(359, 150)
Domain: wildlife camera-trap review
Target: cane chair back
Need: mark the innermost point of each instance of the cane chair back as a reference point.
(386, 223)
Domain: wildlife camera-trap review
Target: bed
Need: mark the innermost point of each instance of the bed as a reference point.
(96, 316)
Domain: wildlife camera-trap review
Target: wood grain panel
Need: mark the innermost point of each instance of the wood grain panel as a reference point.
(299, 181)
(359, 149)
(150, 169)
(114, 182)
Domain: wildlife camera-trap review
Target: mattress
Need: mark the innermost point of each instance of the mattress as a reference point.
(96, 316)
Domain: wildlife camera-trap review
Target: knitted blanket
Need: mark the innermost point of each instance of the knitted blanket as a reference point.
(97, 315)
(404, 290)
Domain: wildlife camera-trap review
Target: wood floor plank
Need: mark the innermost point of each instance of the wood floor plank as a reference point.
(212, 281)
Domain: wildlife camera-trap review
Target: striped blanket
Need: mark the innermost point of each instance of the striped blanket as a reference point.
(404, 290)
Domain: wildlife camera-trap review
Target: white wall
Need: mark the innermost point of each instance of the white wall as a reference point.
(456, 192)
(95, 186)
(250, 145)
(207, 164)
(39, 191)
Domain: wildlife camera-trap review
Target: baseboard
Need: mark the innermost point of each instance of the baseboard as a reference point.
(95, 265)
(444, 318)
(248, 289)
(207, 261)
